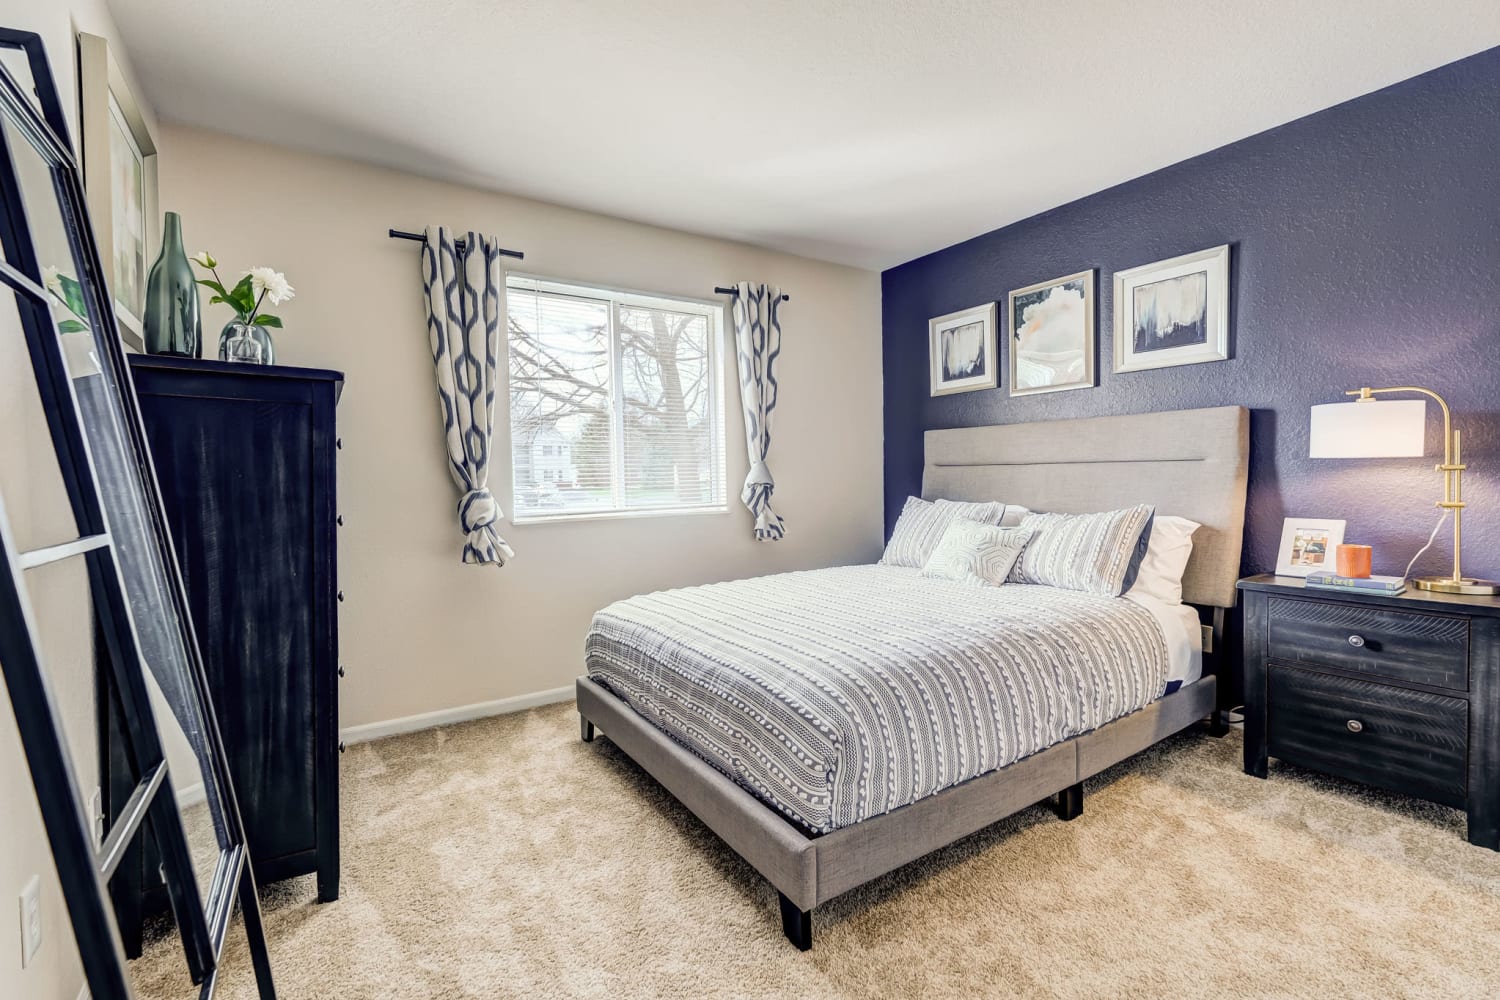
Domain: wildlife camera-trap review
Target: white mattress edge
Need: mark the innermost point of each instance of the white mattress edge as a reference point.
(1180, 627)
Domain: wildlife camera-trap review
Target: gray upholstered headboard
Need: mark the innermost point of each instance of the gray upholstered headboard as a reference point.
(1191, 463)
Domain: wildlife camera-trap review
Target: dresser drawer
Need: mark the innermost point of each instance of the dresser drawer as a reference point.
(1408, 741)
(1400, 645)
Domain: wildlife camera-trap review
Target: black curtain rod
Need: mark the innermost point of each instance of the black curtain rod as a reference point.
(736, 291)
(397, 234)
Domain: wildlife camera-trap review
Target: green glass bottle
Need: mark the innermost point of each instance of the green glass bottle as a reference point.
(172, 325)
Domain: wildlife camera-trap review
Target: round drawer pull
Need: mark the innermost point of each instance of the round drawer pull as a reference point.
(1355, 726)
(342, 747)
(1357, 641)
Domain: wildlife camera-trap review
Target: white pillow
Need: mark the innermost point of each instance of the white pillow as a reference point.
(922, 523)
(1014, 515)
(1167, 552)
(1095, 553)
(976, 554)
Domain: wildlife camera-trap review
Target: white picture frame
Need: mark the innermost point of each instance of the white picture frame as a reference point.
(1308, 544)
(961, 351)
(1053, 341)
(120, 182)
(1173, 312)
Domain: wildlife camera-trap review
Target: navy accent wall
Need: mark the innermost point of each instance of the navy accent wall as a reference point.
(1366, 251)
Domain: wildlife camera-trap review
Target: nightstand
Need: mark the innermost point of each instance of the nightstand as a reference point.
(1397, 691)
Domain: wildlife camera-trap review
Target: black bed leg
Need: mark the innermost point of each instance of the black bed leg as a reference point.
(585, 729)
(1070, 802)
(1218, 723)
(795, 924)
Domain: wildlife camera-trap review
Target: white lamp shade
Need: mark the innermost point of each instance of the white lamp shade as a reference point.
(1394, 428)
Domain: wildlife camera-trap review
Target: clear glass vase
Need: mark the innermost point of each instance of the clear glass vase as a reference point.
(246, 343)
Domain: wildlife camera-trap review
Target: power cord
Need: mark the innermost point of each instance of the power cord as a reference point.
(1430, 538)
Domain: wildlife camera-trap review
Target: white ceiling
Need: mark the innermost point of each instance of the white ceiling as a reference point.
(864, 133)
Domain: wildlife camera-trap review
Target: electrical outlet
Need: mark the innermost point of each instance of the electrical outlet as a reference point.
(31, 920)
(96, 813)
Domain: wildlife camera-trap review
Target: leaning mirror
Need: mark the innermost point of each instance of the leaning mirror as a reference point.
(111, 559)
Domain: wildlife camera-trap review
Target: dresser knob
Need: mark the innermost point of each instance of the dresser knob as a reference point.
(341, 670)
(341, 597)
(339, 443)
(342, 748)
(1357, 641)
(1355, 726)
(341, 520)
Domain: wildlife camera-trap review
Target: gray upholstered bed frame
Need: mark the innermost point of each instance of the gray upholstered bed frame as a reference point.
(1192, 463)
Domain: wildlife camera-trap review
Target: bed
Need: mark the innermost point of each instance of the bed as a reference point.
(835, 724)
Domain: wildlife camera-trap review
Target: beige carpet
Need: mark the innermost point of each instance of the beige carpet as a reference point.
(504, 858)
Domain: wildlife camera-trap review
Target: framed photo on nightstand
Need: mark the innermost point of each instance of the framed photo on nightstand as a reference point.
(1307, 545)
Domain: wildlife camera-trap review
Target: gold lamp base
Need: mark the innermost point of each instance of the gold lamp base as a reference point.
(1448, 585)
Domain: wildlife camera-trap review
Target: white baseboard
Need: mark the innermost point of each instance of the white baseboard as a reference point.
(448, 716)
(190, 795)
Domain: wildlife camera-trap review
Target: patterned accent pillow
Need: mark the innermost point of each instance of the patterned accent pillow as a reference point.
(976, 554)
(1095, 553)
(922, 523)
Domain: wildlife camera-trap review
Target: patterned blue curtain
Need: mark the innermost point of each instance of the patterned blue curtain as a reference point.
(463, 325)
(757, 338)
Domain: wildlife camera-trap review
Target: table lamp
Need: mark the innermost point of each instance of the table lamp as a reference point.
(1371, 428)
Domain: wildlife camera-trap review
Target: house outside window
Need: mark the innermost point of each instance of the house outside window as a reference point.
(616, 402)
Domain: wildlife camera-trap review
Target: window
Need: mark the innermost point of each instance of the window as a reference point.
(615, 402)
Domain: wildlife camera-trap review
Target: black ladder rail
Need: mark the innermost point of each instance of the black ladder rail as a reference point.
(82, 870)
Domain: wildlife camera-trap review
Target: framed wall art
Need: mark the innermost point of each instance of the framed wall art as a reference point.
(1173, 312)
(1052, 341)
(119, 176)
(961, 349)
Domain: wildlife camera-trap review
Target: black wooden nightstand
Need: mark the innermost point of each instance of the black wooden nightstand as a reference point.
(1395, 691)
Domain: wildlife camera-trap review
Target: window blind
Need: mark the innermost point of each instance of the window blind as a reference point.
(615, 402)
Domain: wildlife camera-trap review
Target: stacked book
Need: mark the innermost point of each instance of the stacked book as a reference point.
(1324, 580)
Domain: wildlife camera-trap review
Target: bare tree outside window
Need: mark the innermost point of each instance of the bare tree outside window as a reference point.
(613, 402)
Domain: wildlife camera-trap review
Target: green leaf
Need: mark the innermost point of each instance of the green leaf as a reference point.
(241, 296)
(271, 321)
(221, 296)
(71, 326)
(72, 295)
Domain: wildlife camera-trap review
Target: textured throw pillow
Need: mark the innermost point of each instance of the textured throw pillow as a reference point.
(977, 554)
(1167, 554)
(922, 523)
(1095, 553)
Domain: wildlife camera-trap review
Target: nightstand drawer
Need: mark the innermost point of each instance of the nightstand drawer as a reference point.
(1400, 645)
(1407, 741)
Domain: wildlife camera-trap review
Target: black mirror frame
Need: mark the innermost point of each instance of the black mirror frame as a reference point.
(83, 873)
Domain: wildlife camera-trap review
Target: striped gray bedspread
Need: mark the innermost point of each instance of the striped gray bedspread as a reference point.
(839, 694)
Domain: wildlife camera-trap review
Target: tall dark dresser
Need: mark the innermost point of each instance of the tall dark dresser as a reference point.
(246, 459)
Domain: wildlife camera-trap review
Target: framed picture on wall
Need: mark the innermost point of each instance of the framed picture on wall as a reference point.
(1052, 339)
(119, 177)
(1307, 545)
(961, 350)
(1173, 312)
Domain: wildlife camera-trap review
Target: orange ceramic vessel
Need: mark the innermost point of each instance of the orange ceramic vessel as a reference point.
(1354, 561)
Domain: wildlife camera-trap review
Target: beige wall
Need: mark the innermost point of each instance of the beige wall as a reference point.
(420, 631)
(59, 596)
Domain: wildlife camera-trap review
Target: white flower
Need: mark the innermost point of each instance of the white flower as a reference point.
(272, 284)
(204, 259)
(52, 279)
